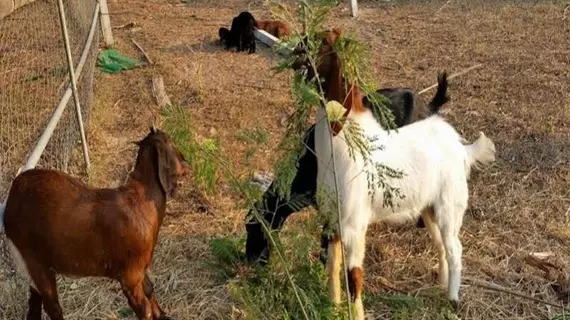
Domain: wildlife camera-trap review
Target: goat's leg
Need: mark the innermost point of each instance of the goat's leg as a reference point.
(252, 45)
(44, 280)
(449, 228)
(276, 211)
(240, 42)
(334, 259)
(157, 312)
(34, 305)
(428, 217)
(133, 289)
(355, 248)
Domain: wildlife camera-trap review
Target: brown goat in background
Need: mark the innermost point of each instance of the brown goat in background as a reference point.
(274, 27)
(56, 224)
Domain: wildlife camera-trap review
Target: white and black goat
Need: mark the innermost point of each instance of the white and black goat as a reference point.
(436, 167)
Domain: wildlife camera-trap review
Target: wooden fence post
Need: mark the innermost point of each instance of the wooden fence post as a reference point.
(106, 23)
(353, 7)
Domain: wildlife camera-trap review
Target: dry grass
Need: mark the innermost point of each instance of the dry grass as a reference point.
(520, 98)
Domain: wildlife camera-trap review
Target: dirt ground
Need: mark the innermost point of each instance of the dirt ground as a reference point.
(520, 97)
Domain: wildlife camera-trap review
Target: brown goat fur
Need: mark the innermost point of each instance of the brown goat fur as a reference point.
(277, 28)
(335, 86)
(59, 225)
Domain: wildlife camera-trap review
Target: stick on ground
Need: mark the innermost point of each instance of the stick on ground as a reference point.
(162, 99)
(452, 76)
(498, 288)
(143, 51)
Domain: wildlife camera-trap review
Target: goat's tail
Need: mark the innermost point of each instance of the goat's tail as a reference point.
(440, 98)
(480, 153)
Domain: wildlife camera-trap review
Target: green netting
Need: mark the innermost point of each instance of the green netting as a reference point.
(110, 61)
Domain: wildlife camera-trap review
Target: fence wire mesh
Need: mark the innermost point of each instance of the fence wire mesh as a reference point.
(33, 78)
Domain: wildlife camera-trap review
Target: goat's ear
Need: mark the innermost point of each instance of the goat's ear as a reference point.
(165, 168)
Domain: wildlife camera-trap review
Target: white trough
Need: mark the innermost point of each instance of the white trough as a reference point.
(265, 37)
(269, 40)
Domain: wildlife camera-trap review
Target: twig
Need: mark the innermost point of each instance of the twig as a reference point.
(252, 86)
(143, 51)
(565, 12)
(452, 76)
(117, 103)
(18, 67)
(129, 25)
(401, 66)
(258, 87)
(498, 288)
(529, 173)
(441, 8)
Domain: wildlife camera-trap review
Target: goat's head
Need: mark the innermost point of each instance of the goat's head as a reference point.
(167, 159)
(328, 66)
(326, 57)
(224, 34)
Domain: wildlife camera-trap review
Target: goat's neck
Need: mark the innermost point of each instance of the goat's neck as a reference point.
(145, 175)
(336, 88)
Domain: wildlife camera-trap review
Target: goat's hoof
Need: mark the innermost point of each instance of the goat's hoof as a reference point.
(455, 305)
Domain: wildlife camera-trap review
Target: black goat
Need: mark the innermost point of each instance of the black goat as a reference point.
(240, 34)
(406, 108)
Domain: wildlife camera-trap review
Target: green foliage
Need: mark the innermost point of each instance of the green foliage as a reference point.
(250, 192)
(201, 154)
(292, 145)
(125, 312)
(432, 306)
(265, 293)
(252, 136)
(561, 317)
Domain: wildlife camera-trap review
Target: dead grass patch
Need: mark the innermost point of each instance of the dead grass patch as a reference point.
(520, 98)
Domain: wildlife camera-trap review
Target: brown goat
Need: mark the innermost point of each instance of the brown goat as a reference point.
(276, 28)
(56, 224)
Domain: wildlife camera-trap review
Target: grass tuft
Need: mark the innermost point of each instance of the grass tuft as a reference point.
(200, 153)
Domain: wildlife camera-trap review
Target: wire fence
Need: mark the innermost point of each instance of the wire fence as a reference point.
(34, 78)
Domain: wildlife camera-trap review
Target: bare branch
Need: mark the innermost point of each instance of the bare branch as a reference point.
(143, 51)
(498, 288)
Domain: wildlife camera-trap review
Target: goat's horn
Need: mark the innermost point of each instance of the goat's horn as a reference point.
(152, 127)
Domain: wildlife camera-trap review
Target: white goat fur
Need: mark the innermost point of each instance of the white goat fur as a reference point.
(436, 167)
